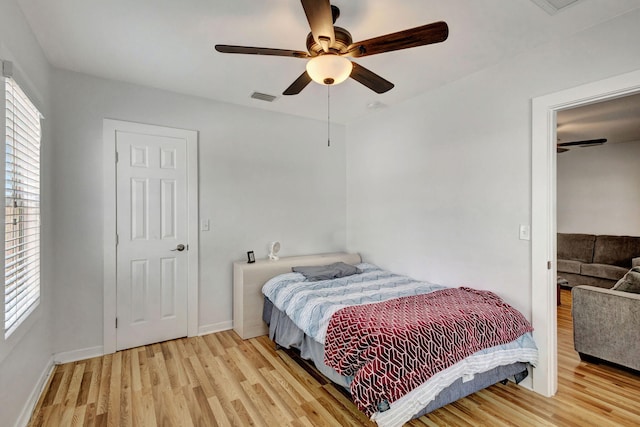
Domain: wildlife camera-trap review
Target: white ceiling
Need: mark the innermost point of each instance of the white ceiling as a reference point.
(168, 44)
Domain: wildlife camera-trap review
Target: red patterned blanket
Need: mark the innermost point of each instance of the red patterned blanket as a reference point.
(393, 346)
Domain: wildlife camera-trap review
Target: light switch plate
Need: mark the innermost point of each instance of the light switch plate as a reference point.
(204, 225)
(525, 232)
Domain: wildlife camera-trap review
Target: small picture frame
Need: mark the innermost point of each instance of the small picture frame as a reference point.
(251, 258)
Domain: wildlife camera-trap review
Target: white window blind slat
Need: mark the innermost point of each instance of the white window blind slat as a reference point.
(21, 153)
(23, 288)
(26, 129)
(19, 259)
(26, 199)
(12, 241)
(22, 207)
(22, 297)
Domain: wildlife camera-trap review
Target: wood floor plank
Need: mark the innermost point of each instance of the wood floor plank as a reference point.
(71, 398)
(115, 390)
(223, 399)
(52, 388)
(126, 406)
(274, 396)
(53, 416)
(199, 415)
(148, 408)
(95, 368)
(67, 374)
(174, 410)
(85, 386)
(215, 346)
(219, 412)
(177, 375)
(268, 411)
(105, 380)
(201, 377)
(90, 415)
(78, 416)
(219, 379)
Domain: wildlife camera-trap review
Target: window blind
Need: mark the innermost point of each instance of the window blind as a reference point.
(22, 207)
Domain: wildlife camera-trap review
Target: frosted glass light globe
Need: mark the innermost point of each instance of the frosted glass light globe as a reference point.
(329, 69)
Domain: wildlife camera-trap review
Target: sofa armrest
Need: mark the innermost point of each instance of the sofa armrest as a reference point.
(606, 324)
(635, 262)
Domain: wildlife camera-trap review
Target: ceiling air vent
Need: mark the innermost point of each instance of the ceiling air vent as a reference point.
(554, 6)
(263, 96)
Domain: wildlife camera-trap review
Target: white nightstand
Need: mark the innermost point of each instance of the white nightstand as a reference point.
(248, 280)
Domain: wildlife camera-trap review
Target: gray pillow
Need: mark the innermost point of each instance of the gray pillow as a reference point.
(630, 282)
(327, 272)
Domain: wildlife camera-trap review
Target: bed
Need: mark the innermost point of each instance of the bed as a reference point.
(370, 333)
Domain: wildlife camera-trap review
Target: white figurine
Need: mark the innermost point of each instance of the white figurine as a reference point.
(274, 248)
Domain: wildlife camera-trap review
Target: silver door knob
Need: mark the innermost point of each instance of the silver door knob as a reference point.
(178, 248)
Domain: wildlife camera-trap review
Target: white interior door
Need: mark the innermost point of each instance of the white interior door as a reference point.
(152, 238)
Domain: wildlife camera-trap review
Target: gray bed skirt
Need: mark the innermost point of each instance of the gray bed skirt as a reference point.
(286, 334)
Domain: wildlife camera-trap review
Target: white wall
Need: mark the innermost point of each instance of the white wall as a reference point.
(263, 176)
(598, 190)
(25, 358)
(438, 186)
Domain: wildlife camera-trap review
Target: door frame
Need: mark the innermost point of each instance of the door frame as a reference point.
(543, 213)
(110, 127)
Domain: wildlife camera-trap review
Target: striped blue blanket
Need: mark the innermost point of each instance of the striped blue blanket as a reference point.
(311, 304)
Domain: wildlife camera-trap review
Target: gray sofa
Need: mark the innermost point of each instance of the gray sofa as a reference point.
(606, 325)
(595, 260)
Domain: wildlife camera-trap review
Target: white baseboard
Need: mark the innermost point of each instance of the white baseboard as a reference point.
(31, 402)
(75, 355)
(215, 327)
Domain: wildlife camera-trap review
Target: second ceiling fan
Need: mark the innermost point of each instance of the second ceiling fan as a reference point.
(330, 47)
(562, 147)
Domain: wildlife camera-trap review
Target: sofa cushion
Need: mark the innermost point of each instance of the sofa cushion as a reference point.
(577, 247)
(603, 271)
(569, 266)
(616, 250)
(630, 282)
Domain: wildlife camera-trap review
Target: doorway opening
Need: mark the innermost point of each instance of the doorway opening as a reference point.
(544, 209)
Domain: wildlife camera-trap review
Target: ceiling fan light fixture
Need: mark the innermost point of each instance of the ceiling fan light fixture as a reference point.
(329, 69)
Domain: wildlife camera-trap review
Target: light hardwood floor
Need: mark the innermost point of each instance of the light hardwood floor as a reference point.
(219, 379)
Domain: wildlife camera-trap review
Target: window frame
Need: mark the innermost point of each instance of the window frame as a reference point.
(29, 88)
(24, 232)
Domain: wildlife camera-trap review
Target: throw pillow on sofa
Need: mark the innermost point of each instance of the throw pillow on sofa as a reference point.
(630, 282)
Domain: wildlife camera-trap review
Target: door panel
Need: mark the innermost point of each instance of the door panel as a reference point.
(151, 221)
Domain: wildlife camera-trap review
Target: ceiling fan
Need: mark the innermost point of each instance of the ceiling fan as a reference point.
(561, 147)
(329, 48)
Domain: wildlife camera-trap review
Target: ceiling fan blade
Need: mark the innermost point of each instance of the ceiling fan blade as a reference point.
(370, 79)
(599, 141)
(224, 48)
(297, 86)
(561, 150)
(427, 34)
(320, 20)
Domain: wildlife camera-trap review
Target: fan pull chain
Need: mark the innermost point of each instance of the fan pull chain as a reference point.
(328, 115)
